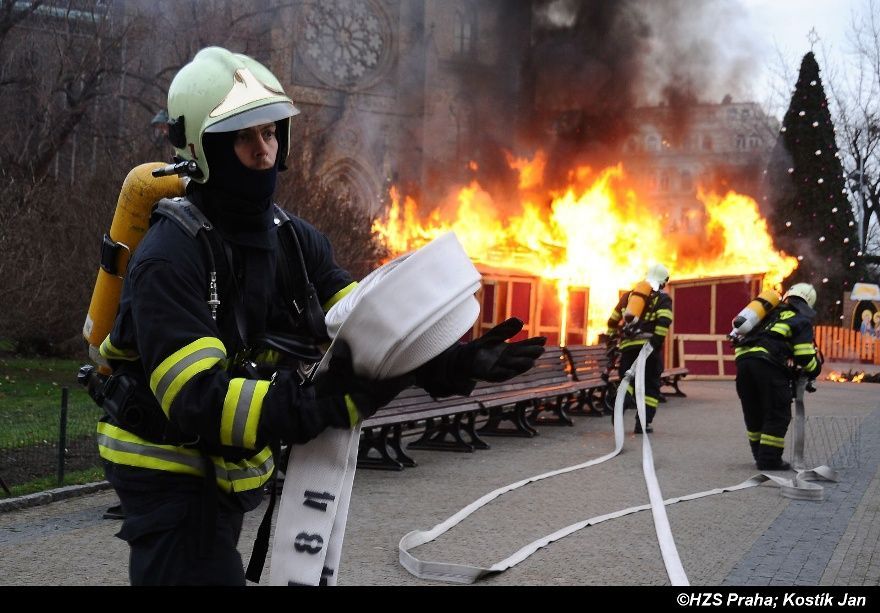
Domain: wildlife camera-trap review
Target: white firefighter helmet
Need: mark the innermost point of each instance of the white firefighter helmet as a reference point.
(221, 91)
(802, 290)
(657, 276)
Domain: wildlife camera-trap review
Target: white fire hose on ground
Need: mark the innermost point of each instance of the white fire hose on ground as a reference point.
(799, 488)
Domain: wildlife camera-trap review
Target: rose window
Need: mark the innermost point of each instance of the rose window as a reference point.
(345, 43)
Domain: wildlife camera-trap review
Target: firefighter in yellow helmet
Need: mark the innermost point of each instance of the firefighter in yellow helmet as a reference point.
(222, 305)
(651, 325)
(767, 358)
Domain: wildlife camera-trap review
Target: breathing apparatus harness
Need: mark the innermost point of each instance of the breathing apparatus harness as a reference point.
(136, 410)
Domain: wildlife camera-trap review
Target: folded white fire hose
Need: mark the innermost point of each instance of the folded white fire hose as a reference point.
(398, 317)
(799, 488)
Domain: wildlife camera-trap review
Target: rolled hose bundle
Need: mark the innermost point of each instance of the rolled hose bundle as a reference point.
(408, 311)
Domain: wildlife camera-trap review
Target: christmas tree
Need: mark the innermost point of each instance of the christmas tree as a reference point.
(809, 213)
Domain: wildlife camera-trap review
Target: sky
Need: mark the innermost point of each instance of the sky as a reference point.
(781, 27)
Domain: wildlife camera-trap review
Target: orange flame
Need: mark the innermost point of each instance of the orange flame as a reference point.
(844, 377)
(597, 233)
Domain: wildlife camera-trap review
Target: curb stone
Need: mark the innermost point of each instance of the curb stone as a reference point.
(61, 493)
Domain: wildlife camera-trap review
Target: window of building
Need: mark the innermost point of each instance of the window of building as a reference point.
(707, 142)
(652, 142)
(755, 141)
(740, 141)
(687, 180)
(731, 114)
(664, 181)
(464, 31)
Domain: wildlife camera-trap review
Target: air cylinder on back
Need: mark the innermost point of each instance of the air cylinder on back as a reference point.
(754, 312)
(638, 298)
(140, 191)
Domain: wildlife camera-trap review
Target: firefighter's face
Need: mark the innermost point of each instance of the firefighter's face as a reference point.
(257, 147)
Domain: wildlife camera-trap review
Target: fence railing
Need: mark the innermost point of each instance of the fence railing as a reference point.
(847, 345)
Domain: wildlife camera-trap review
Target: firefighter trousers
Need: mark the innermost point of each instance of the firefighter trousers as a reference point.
(764, 391)
(653, 370)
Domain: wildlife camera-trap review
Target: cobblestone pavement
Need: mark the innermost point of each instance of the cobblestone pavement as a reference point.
(752, 537)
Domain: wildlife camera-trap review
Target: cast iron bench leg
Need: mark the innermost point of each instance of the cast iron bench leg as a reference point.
(371, 440)
(434, 437)
(468, 428)
(517, 417)
(399, 453)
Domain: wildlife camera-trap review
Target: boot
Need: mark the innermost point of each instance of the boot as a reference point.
(638, 428)
(770, 458)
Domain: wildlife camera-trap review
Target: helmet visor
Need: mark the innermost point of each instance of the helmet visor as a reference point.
(269, 113)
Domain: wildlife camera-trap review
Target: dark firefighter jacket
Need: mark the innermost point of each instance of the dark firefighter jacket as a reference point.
(165, 338)
(784, 336)
(655, 321)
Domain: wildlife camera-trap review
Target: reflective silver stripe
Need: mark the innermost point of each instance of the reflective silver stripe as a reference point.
(169, 377)
(240, 474)
(158, 453)
(242, 410)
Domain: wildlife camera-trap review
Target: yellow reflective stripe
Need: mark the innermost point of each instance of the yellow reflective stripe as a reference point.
(242, 408)
(110, 352)
(651, 402)
(176, 370)
(772, 441)
(786, 315)
(353, 416)
(781, 329)
(664, 313)
(246, 475)
(813, 365)
(804, 349)
(339, 295)
(661, 330)
(638, 342)
(753, 436)
(615, 316)
(744, 350)
(122, 447)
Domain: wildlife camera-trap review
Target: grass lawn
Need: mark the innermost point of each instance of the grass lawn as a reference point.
(30, 400)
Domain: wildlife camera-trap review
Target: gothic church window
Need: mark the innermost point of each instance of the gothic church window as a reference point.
(464, 30)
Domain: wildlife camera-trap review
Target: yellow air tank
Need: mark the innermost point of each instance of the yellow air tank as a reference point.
(140, 191)
(754, 312)
(638, 298)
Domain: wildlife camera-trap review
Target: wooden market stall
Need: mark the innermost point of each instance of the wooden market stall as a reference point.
(702, 313)
(510, 293)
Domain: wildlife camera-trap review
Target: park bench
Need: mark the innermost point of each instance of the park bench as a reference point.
(449, 424)
(591, 361)
(670, 377)
(590, 365)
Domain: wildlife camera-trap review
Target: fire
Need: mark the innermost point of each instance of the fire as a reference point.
(596, 232)
(844, 377)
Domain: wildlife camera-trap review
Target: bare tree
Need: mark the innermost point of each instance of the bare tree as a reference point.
(80, 81)
(857, 102)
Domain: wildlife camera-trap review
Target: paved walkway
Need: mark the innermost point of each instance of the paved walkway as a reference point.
(752, 537)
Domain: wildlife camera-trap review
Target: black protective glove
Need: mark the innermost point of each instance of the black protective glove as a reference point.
(297, 413)
(490, 358)
(367, 395)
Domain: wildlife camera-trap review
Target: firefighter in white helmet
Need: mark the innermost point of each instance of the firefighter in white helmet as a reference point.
(223, 303)
(780, 347)
(650, 326)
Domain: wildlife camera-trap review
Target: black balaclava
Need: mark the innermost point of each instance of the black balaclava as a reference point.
(236, 198)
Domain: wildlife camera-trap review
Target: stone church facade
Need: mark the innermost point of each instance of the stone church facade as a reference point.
(390, 88)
